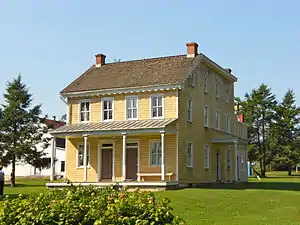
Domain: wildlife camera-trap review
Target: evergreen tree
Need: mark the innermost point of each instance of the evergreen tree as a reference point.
(259, 110)
(287, 131)
(20, 126)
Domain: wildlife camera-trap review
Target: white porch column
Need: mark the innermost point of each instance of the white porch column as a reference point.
(124, 157)
(85, 157)
(236, 161)
(163, 173)
(52, 172)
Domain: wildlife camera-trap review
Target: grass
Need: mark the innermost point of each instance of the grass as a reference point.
(274, 200)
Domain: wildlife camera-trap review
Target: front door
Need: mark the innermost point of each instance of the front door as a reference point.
(218, 163)
(106, 168)
(131, 161)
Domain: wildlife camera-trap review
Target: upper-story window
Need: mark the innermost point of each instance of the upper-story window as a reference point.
(107, 109)
(157, 106)
(190, 109)
(206, 84)
(227, 123)
(218, 119)
(84, 111)
(132, 108)
(206, 115)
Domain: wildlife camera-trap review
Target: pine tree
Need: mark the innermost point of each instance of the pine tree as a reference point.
(20, 125)
(259, 110)
(287, 131)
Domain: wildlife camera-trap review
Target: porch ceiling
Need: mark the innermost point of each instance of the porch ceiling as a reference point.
(114, 126)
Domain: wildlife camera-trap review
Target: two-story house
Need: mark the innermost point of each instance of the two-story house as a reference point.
(159, 121)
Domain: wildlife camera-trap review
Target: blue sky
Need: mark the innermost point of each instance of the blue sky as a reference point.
(52, 42)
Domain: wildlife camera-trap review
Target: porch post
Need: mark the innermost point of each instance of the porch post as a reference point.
(124, 157)
(52, 172)
(236, 161)
(163, 174)
(85, 157)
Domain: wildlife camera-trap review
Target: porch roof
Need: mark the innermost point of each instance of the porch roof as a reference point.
(230, 140)
(123, 126)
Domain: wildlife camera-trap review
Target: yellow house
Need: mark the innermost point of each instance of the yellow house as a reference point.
(167, 121)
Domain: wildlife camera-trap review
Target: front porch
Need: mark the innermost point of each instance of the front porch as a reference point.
(139, 157)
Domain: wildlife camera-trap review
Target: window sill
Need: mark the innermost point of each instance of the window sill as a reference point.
(157, 118)
(191, 167)
(205, 92)
(155, 166)
(107, 121)
(82, 167)
(84, 121)
(206, 125)
(206, 168)
(189, 121)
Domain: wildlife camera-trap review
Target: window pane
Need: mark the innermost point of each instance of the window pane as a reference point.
(134, 112)
(159, 112)
(105, 114)
(110, 104)
(87, 116)
(154, 112)
(87, 106)
(159, 101)
(105, 104)
(129, 113)
(110, 114)
(134, 103)
(154, 101)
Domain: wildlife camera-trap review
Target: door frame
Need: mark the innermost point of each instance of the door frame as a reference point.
(138, 151)
(99, 156)
(218, 166)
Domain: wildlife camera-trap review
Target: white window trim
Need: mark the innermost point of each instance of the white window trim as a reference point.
(150, 152)
(192, 155)
(192, 79)
(137, 107)
(208, 157)
(217, 88)
(206, 123)
(77, 154)
(79, 110)
(219, 118)
(205, 86)
(191, 110)
(102, 108)
(163, 105)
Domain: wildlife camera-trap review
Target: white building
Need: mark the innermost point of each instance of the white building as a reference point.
(23, 169)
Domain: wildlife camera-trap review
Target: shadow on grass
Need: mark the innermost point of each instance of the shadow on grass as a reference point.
(285, 186)
(25, 185)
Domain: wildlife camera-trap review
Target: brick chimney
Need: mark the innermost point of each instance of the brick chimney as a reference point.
(192, 49)
(100, 60)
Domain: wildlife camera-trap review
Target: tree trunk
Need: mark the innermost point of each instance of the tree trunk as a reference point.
(289, 169)
(13, 171)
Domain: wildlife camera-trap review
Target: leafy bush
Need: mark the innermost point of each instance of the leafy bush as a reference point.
(87, 205)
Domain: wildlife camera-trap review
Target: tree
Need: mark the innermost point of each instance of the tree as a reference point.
(259, 109)
(20, 126)
(287, 131)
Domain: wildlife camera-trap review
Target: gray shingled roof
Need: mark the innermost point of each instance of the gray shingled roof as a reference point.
(145, 72)
(114, 126)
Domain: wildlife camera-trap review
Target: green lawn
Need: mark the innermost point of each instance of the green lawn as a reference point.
(274, 200)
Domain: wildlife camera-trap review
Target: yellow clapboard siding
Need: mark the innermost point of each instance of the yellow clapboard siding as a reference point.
(119, 106)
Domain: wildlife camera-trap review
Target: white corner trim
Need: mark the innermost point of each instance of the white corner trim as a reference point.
(177, 157)
(177, 103)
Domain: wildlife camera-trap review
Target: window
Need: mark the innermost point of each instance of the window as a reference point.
(80, 153)
(190, 154)
(157, 106)
(206, 113)
(205, 84)
(227, 95)
(206, 157)
(228, 161)
(60, 142)
(155, 153)
(227, 123)
(192, 80)
(190, 109)
(132, 107)
(218, 119)
(217, 88)
(84, 111)
(62, 166)
(107, 109)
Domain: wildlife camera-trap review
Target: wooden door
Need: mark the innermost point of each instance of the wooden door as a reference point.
(131, 163)
(106, 170)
